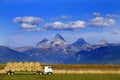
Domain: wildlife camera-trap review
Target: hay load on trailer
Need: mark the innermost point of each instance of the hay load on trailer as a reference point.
(35, 67)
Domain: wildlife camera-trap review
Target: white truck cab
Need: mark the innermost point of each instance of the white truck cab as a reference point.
(48, 70)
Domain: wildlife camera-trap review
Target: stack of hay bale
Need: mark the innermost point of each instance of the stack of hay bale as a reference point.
(8, 66)
(38, 67)
(23, 66)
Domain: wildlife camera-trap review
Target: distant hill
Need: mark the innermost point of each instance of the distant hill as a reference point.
(7, 54)
(109, 54)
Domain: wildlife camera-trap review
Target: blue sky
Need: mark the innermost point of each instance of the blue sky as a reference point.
(26, 22)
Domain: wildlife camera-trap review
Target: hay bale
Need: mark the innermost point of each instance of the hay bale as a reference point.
(12, 69)
(6, 68)
(31, 64)
(33, 69)
(40, 68)
(29, 69)
(26, 64)
(17, 69)
(20, 64)
(15, 64)
(9, 64)
(9, 68)
(37, 64)
(22, 69)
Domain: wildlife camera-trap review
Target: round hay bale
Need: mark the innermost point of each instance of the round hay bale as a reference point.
(15, 64)
(12, 69)
(6, 68)
(17, 69)
(26, 64)
(40, 68)
(9, 64)
(37, 68)
(22, 69)
(20, 64)
(33, 69)
(37, 64)
(31, 64)
(29, 69)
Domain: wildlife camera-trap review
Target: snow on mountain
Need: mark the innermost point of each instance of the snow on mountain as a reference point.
(78, 45)
(79, 42)
(21, 49)
(59, 51)
(58, 41)
(103, 42)
(100, 44)
(45, 43)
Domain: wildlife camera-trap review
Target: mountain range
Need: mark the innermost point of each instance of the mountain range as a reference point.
(60, 51)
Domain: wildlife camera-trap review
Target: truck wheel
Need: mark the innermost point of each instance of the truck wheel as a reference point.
(49, 73)
(40, 73)
(36, 73)
(12, 73)
(8, 73)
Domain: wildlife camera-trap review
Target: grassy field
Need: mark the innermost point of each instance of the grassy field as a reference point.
(60, 77)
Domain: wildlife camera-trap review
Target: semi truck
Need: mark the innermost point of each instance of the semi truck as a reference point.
(34, 67)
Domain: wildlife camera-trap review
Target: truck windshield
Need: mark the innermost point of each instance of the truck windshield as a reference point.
(50, 67)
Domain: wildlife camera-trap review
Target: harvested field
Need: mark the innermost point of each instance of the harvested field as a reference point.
(83, 66)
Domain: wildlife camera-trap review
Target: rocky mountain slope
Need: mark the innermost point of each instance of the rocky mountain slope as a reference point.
(59, 51)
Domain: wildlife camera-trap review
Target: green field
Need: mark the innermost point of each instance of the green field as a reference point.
(60, 77)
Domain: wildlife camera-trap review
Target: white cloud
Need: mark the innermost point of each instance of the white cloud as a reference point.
(65, 26)
(113, 15)
(28, 21)
(31, 23)
(26, 25)
(96, 14)
(101, 22)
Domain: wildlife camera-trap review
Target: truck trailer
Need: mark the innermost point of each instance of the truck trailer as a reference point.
(34, 67)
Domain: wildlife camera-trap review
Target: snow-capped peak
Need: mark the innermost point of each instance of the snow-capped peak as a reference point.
(58, 37)
(45, 43)
(103, 42)
(79, 42)
(59, 40)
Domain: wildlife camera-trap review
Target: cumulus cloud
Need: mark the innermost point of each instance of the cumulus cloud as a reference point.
(31, 23)
(26, 25)
(113, 16)
(28, 21)
(101, 22)
(96, 14)
(57, 25)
